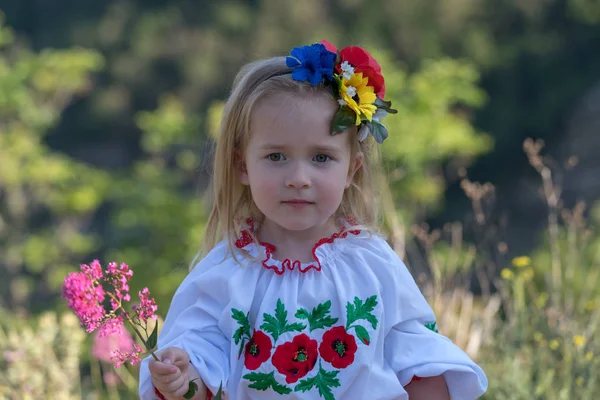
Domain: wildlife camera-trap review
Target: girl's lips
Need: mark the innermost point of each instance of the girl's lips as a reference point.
(297, 203)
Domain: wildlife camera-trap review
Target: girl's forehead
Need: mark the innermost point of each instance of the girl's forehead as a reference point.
(295, 120)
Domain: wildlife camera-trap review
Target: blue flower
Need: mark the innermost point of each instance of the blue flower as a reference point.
(312, 63)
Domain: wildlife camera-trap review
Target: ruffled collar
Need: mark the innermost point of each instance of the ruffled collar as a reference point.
(245, 242)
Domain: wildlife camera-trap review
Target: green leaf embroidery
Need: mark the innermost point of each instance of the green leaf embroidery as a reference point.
(151, 342)
(241, 350)
(319, 317)
(362, 334)
(358, 310)
(262, 381)
(219, 394)
(244, 329)
(432, 326)
(278, 325)
(323, 381)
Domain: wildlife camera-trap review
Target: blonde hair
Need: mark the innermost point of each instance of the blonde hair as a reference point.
(232, 201)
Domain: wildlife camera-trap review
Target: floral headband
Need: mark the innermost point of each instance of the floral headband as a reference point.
(356, 81)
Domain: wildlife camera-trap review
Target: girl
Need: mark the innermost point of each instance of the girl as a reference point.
(298, 295)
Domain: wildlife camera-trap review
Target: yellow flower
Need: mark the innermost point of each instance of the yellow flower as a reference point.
(579, 341)
(521, 262)
(554, 344)
(538, 337)
(590, 305)
(541, 300)
(528, 274)
(589, 356)
(507, 274)
(359, 96)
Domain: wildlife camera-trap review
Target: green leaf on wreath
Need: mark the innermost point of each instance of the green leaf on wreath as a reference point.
(151, 342)
(278, 325)
(343, 119)
(319, 317)
(379, 131)
(323, 381)
(261, 381)
(358, 310)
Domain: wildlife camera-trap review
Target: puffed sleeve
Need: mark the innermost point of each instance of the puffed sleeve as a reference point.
(192, 324)
(413, 348)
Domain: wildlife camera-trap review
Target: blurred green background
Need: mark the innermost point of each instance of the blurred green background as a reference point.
(109, 109)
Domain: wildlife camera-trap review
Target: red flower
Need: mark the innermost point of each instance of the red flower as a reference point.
(363, 62)
(258, 350)
(338, 347)
(329, 46)
(296, 358)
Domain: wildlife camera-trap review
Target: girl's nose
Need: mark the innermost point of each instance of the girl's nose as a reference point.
(298, 176)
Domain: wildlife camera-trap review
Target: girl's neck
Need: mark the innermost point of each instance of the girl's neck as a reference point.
(295, 245)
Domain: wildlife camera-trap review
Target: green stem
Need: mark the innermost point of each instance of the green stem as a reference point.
(132, 324)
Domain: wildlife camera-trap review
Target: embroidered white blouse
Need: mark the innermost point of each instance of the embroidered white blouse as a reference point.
(351, 325)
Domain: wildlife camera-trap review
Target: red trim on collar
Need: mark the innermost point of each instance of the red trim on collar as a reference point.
(246, 239)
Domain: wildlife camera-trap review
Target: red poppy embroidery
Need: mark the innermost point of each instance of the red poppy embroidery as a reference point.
(296, 358)
(338, 347)
(258, 350)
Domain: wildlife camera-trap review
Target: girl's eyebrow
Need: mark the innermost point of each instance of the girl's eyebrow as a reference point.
(323, 148)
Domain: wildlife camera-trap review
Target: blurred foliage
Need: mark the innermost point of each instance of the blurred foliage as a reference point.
(103, 152)
(47, 199)
(42, 360)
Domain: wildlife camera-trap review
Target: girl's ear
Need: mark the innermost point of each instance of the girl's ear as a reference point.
(354, 166)
(240, 165)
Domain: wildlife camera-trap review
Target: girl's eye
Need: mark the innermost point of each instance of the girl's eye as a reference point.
(275, 157)
(322, 158)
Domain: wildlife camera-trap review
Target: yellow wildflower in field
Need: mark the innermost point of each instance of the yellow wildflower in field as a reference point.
(590, 306)
(507, 274)
(579, 341)
(554, 344)
(538, 336)
(521, 262)
(589, 356)
(528, 274)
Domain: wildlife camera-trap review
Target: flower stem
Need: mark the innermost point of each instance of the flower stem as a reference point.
(133, 326)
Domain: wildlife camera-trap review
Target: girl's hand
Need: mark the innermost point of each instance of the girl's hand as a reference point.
(170, 374)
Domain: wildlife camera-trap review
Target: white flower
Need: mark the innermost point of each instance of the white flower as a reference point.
(341, 102)
(347, 70)
(363, 132)
(351, 90)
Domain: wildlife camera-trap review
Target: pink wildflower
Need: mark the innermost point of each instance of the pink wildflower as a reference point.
(94, 270)
(119, 278)
(119, 357)
(112, 326)
(85, 297)
(147, 307)
(104, 345)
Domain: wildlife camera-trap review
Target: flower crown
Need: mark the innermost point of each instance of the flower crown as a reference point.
(356, 81)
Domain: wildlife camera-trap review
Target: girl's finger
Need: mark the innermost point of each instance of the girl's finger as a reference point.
(160, 368)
